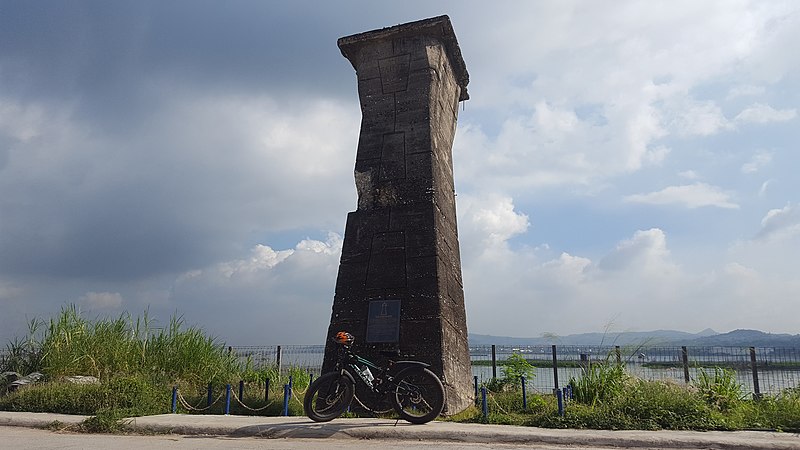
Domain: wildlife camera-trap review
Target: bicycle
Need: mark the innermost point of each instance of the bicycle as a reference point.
(412, 390)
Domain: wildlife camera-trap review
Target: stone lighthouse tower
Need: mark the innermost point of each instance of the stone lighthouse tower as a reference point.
(399, 284)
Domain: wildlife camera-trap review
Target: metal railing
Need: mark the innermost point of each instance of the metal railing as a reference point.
(760, 370)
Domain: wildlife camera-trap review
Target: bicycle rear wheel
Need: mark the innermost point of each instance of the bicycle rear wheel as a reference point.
(328, 397)
(419, 397)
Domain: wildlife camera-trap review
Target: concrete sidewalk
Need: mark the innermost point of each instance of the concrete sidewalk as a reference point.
(302, 427)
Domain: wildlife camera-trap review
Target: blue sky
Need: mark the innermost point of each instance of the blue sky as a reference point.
(623, 166)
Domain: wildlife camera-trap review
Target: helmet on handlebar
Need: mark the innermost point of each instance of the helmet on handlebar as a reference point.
(344, 338)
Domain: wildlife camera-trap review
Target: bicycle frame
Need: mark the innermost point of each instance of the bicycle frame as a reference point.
(383, 378)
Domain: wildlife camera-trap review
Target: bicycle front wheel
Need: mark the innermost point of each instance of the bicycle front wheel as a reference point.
(328, 397)
(419, 397)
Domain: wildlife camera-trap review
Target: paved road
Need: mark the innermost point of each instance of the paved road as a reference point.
(210, 431)
(20, 437)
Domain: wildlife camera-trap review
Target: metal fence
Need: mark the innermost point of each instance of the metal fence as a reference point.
(760, 370)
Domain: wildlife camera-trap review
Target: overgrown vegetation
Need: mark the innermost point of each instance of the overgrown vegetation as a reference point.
(137, 365)
(720, 390)
(71, 344)
(599, 382)
(514, 368)
(606, 397)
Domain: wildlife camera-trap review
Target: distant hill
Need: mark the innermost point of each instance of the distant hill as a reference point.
(705, 338)
(746, 338)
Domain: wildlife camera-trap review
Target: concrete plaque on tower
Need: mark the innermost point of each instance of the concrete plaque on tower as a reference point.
(399, 284)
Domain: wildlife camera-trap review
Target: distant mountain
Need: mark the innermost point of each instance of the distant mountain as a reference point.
(746, 338)
(705, 338)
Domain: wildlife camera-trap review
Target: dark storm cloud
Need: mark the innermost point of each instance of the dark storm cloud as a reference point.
(104, 49)
(122, 232)
(106, 56)
(120, 180)
(192, 186)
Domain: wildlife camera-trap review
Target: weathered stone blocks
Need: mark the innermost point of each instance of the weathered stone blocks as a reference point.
(402, 242)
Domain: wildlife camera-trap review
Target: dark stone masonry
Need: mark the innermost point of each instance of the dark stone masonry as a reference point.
(399, 285)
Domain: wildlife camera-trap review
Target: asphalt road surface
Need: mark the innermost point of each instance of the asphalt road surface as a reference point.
(21, 438)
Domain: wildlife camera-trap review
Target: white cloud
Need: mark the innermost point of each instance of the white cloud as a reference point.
(738, 270)
(692, 196)
(271, 294)
(689, 174)
(572, 291)
(102, 300)
(646, 251)
(332, 246)
(551, 120)
(763, 190)
(572, 109)
(761, 113)
(746, 90)
(567, 268)
(699, 119)
(262, 257)
(638, 283)
(490, 219)
(757, 162)
(780, 224)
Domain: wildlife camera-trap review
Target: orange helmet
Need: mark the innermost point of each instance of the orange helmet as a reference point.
(344, 338)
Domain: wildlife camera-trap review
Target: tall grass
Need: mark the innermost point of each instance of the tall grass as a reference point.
(720, 390)
(70, 344)
(599, 382)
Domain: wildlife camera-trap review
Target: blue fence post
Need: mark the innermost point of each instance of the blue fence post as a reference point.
(210, 395)
(241, 391)
(174, 399)
(560, 397)
(475, 377)
(266, 390)
(524, 394)
(484, 405)
(310, 378)
(286, 391)
(227, 399)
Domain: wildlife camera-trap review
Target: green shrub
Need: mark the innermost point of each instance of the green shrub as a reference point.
(721, 390)
(136, 395)
(663, 405)
(516, 367)
(599, 382)
(23, 355)
(513, 368)
(781, 412)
